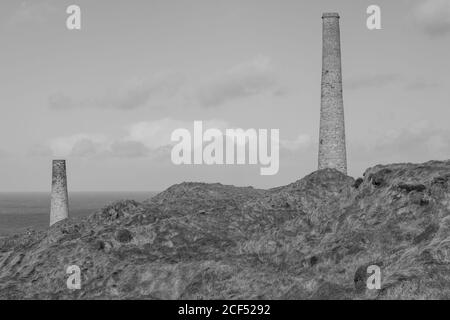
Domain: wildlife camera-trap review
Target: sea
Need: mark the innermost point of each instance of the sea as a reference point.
(22, 210)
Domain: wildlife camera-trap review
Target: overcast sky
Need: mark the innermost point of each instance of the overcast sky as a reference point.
(107, 97)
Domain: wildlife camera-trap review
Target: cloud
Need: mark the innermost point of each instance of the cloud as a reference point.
(90, 145)
(302, 141)
(156, 135)
(244, 80)
(145, 139)
(129, 149)
(410, 83)
(62, 101)
(78, 145)
(40, 151)
(170, 88)
(86, 147)
(134, 94)
(421, 84)
(432, 16)
(370, 81)
(31, 12)
(142, 139)
(419, 141)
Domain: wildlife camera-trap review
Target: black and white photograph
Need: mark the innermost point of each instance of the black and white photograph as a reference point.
(224, 155)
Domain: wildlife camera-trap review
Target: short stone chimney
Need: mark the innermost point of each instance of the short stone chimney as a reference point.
(59, 207)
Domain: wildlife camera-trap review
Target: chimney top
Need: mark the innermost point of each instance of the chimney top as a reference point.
(330, 15)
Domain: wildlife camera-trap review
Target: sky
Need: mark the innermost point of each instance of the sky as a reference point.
(107, 97)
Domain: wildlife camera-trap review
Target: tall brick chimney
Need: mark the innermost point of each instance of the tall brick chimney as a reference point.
(332, 151)
(59, 207)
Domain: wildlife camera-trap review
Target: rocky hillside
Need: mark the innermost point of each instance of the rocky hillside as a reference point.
(312, 239)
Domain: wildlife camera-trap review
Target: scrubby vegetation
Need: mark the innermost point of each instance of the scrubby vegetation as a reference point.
(312, 239)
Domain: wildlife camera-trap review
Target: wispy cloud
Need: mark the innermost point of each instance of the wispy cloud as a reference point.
(371, 81)
(134, 94)
(150, 139)
(432, 16)
(31, 12)
(420, 84)
(142, 139)
(302, 141)
(79, 145)
(90, 146)
(247, 79)
(417, 142)
(129, 149)
(381, 80)
(244, 80)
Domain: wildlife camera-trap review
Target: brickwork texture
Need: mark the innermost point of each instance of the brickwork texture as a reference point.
(59, 206)
(332, 150)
